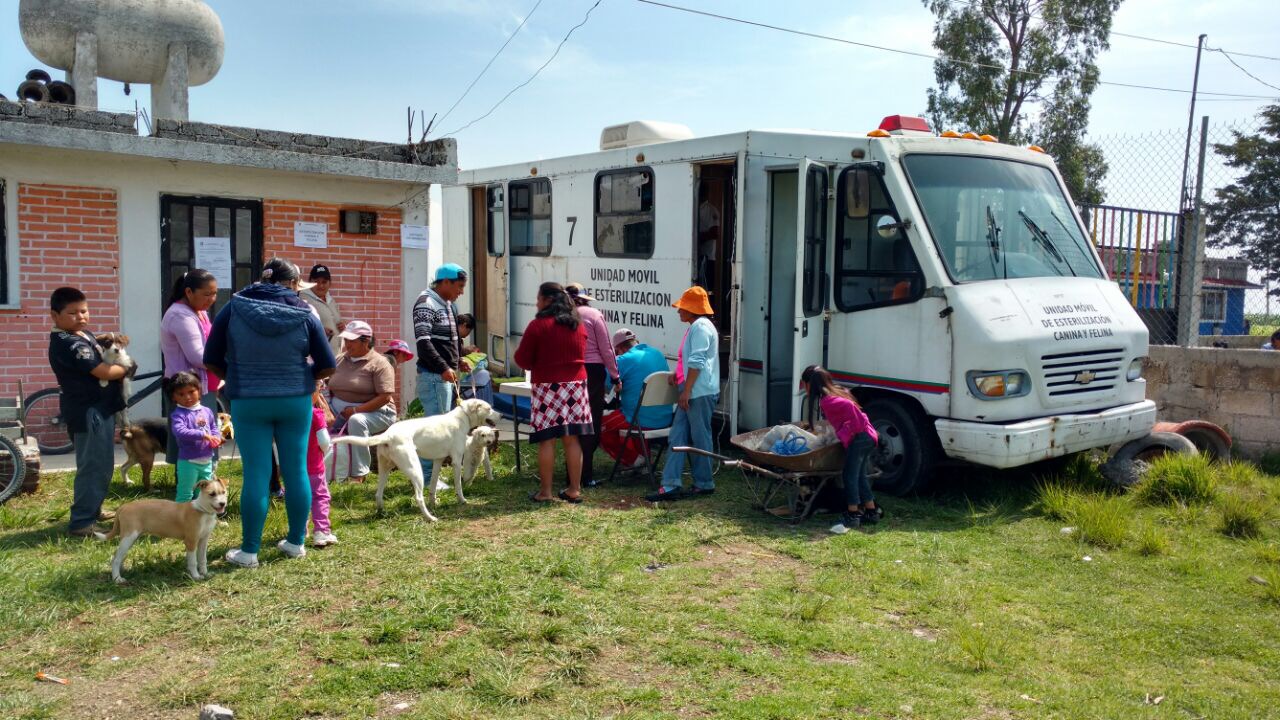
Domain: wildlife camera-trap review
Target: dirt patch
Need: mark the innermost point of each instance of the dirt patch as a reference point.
(395, 704)
(627, 502)
(835, 658)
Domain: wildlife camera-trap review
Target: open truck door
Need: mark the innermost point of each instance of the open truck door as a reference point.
(813, 279)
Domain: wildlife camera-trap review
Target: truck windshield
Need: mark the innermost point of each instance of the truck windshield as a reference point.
(997, 219)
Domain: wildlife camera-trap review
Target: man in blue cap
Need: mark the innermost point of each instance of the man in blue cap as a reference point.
(435, 327)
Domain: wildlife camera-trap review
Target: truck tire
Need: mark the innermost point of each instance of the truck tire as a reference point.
(1127, 466)
(908, 450)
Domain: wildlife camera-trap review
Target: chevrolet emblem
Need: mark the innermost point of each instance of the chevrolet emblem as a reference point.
(1085, 377)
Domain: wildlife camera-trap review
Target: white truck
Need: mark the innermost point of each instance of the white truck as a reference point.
(948, 279)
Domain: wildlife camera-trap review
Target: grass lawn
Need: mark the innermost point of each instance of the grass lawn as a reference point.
(968, 602)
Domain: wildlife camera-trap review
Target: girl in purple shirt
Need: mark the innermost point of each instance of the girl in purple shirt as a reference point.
(194, 428)
(859, 438)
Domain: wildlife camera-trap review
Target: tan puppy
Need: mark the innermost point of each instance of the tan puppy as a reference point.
(225, 428)
(191, 522)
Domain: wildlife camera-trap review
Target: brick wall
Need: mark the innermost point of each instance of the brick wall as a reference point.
(67, 236)
(366, 268)
(1237, 389)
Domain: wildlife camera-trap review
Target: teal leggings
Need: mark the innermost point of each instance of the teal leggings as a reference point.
(259, 421)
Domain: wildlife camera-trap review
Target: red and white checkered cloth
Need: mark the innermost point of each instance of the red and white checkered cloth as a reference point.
(559, 409)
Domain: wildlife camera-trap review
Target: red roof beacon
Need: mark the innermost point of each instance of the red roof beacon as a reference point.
(906, 125)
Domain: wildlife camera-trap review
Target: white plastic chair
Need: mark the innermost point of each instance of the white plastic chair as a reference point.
(657, 392)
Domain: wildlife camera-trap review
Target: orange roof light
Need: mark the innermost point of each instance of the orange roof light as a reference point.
(970, 135)
(950, 134)
(1035, 148)
(988, 138)
(878, 133)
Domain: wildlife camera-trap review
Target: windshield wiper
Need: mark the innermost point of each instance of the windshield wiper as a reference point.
(993, 241)
(1045, 241)
(1075, 240)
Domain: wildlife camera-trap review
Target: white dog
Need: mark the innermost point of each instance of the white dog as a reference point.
(431, 438)
(480, 443)
(114, 353)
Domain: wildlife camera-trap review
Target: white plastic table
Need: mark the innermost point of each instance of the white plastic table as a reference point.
(516, 390)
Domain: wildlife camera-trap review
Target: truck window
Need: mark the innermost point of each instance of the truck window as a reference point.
(530, 214)
(995, 219)
(815, 241)
(875, 265)
(624, 213)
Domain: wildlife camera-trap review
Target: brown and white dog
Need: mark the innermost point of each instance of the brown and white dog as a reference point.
(192, 522)
(113, 353)
(144, 439)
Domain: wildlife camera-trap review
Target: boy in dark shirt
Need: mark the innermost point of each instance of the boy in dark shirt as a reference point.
(88, 408)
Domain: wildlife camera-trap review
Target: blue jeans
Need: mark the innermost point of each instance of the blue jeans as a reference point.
(95, 461)
(436, 397)
(691, 427)
(857, 487)
(259, 421)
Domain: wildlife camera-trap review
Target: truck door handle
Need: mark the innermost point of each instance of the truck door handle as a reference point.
(804, 329)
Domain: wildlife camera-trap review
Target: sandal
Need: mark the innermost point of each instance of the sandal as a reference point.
(564, 495)
(533, 497)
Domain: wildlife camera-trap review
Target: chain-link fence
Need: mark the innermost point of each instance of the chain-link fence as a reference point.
(1153, 243)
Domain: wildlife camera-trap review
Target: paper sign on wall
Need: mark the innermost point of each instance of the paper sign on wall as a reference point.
(214, 254)
(311, 234)
(413, 236)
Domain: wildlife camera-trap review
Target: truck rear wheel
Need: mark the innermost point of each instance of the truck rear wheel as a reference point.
(907, 452)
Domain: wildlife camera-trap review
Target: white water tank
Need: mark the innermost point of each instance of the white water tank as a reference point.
(133, 36)
(642, 132)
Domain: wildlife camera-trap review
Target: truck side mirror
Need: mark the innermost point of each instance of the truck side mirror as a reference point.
(857, 201)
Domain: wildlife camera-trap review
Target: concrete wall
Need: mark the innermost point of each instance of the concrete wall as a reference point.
(39, 262)
(67, 116)
(1237, 389)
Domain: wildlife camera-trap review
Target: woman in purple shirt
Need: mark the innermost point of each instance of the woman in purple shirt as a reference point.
(601, 364)
(183, 333)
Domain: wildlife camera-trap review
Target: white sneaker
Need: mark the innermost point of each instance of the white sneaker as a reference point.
(291, 550)
(238, 557)
(323, 539)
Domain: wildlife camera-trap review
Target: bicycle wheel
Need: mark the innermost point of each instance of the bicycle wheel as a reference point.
(42, 417)
(13, 468)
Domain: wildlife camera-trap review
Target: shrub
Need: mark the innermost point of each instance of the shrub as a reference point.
(1055, 500)
(1178, 478)
(1241, 516)
(1102, 520)
(979, 648)
(1151, 541)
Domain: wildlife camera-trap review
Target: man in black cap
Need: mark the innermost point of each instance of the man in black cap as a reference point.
(319, 297)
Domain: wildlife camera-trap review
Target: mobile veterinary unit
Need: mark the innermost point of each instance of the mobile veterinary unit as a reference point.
(947, 278)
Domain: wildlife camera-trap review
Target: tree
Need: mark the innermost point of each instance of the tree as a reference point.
(1023, 70)
(1245, 215)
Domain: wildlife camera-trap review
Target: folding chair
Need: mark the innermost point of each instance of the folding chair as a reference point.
(657, 392)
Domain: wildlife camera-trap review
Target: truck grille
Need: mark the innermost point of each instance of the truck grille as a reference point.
(1066, 373)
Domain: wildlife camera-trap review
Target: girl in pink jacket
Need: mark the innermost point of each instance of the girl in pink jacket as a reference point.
(859, 438)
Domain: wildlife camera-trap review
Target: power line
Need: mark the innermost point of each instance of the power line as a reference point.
(1246, 72)
(512, 91)
(491, 61)
(928, 56)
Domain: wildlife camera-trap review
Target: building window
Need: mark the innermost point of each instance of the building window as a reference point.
(1213, 306)
(624, 213)
(875, 265)
(530, 214)
(4, 249)
(815, 241)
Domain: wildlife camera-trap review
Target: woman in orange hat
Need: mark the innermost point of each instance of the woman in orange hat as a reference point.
(698, 377)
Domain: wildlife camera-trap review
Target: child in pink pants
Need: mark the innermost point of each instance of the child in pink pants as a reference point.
(317, 445)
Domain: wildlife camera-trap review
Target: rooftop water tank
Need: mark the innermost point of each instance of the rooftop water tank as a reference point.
(133, 36)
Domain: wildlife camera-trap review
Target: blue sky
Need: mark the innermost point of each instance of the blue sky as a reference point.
(324, 67)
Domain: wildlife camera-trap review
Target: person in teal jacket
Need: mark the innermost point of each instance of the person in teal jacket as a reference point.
(698, 377)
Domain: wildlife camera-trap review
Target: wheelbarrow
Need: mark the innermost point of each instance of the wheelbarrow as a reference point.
(785, 486)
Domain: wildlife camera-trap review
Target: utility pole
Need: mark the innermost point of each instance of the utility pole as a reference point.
(1184, 199)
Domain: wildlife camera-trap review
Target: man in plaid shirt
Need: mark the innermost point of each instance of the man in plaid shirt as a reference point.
(435, 328)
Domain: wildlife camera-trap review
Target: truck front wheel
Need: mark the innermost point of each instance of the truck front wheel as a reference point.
(907, 452)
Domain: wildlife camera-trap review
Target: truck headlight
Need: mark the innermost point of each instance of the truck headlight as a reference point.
(1135, 369)
(995, 384)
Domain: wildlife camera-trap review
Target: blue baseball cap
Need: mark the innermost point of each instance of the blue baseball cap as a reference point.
(451, 271)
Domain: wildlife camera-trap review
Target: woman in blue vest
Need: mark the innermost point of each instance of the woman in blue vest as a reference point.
(270, 348)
